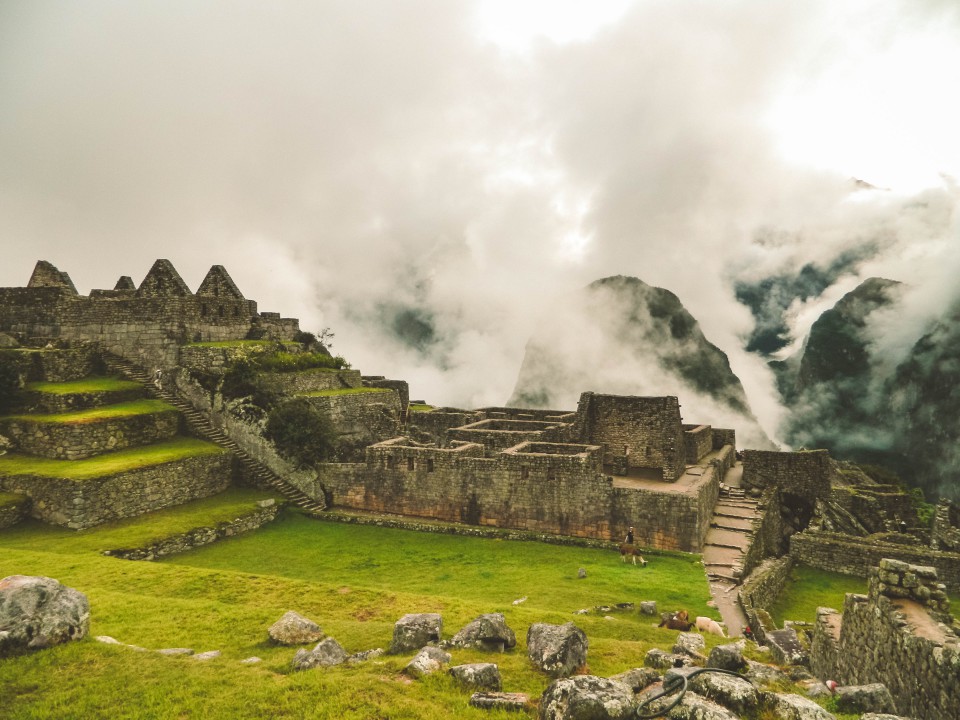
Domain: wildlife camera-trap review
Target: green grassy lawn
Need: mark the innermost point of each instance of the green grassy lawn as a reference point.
(88, 385)
(105, 412)
(345, 391)
(355, 581)
(108, 463)
(419, 407)
(810, 588)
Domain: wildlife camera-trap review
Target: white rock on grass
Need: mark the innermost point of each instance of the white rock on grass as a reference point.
(294, 629)
(428, 661)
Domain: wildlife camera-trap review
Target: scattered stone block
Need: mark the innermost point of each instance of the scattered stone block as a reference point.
(558, 650)
(586, 697)
(691, 644)
(294, 629)
(500, 701)
(794, 707)
(648, 607)
(209, 655)
(364, 656)
(691, 707)
(727, 657)
(637, 678)
(734, 693)
(487, 632)
(582, 573)
(661, 659)
(176, 651)
(251, 660)
(107, 640)
(764, 674)
(874, 697)
(413, 631)
(428, 661)
(40, 612)
(484, 676)
(327, 653)
(785, 647)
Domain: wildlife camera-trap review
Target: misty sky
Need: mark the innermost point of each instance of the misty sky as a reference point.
(427, 177)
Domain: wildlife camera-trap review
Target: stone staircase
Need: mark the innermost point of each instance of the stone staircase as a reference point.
(201, 426)
(724, 548)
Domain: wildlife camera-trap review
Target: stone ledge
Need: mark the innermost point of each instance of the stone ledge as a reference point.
(198, 537)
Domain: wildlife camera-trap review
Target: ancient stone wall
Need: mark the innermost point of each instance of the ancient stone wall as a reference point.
(698, 441)
(434, 424)
(763, 586)
(805, 474)
(401, 387)
(945, 534)
(723, 436)
(766, 531)
(56, 364)
(76, 441)
(79, 504)
(508, 413)
(855, 556)
(647, 430)
(207, 358)
(308, 381)
(360, 418)
(198, 537)
(891, 636)
(13, 509)
(498, 434)
(56, 403)
(554, 492)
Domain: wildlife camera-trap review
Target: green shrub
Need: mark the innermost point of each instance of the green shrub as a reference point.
(290, 362)
(301, 432)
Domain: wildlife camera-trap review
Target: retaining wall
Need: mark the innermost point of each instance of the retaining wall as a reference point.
(856, 556)
(79, 504)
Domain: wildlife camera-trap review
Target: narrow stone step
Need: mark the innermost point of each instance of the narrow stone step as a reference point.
(723, 545)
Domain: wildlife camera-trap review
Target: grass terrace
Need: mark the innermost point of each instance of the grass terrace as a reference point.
(419, 407)
(354, 580)
(87, 386)
(108, 463)
(345, 391)
(7, 499)
(810, 588)
(233, 343)
(106, 412)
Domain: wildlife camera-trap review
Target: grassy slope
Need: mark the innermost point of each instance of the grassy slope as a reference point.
(355, 581)
(105, 412)
(88, 385)
(108, 463)
(811, 588)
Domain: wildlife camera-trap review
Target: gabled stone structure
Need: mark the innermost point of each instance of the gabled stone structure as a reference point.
(45, 275)
(148, 324)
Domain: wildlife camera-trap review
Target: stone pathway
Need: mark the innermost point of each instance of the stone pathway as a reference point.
(726, 544)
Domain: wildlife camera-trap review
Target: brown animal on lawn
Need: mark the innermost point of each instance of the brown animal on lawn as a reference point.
(630, 551)
(680, 620)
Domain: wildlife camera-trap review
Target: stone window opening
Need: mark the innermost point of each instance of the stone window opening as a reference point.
(220, 311)
(204, 310)
(236, 312)
(410, 463)
(429, 464)
(391, 462)
(524, 472)
(551, 474)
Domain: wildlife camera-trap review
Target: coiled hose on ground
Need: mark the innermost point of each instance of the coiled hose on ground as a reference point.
(672, 684)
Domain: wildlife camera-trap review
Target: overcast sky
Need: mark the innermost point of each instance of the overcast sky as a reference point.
(456, 166)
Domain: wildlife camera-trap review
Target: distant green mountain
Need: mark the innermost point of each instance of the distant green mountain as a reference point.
(841, 396)
(620, 335)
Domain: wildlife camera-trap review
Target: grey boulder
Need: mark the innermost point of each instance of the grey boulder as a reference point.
(487, 632)
(294, 629)
(691, 644)
(586, 697)
(483, 676)
(558, 650)
(734, 693)
(795, 707)
(413, 631)
(327, 653)
(874, 697)
(428, 661)
(637, 678)
(727, 657)
(40, 612)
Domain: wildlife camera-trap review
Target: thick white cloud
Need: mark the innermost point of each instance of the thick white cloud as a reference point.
(351, 161)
